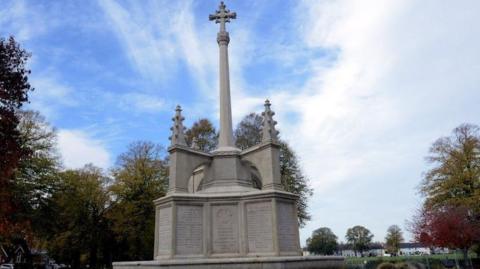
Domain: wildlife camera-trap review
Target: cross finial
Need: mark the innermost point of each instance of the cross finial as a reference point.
(222, 15)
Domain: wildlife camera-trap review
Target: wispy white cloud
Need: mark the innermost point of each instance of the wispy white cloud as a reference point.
(77, 148)
(142, 103)
(158, 36)
(19, 20)
(51, 95)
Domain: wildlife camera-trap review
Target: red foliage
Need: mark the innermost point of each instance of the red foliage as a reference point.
(451, 227)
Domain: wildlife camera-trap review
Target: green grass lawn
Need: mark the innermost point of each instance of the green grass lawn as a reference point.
(430, 261)
(451, 256)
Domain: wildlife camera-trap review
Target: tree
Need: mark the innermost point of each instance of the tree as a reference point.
(78, 227)
(294, 181)
(323, 241)
(37, 173)
(249, 133)
(14, 88)
(140, 177)
(205, 133)
(448, 226)
(454, 179)
(359, 238)
(393, 239)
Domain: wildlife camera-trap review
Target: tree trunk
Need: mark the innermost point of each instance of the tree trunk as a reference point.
(75, 260)
(93, 256)
(457, 265)
(466, 261)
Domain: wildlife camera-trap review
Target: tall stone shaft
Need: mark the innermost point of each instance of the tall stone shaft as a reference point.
(225, 140)
(226, 133)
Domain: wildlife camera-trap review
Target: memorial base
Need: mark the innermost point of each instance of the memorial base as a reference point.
(260, 223)
(293, 262)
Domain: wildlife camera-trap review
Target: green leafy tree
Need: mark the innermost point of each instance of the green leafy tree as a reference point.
(323, 241)
(34, 180)
(359, 238)
(78, 226)
(205, 133)
(14, 88)
(37, 174)
(393, 239)
(140, 177)
(249, 133)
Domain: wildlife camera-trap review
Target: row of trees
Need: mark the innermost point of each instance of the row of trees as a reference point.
(324, 242)
(89, 215)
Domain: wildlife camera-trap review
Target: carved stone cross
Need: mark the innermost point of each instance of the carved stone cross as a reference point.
(222, 16)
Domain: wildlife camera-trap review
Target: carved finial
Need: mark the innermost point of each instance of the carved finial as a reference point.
(178, 136)
(268, 128)
(195, 144)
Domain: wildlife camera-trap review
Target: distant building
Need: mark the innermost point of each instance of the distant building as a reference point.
(375, 249)
(410, 249)
(17, 253)
(378, 250)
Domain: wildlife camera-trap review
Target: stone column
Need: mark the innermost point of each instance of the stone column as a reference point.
(225, 140)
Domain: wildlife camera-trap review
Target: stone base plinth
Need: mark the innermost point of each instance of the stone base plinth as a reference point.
(259, 223)
(290, 262)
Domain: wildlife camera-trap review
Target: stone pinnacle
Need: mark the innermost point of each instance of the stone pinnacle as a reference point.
(269, 133)
(178, 135)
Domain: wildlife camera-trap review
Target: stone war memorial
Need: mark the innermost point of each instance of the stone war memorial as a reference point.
(227, 208)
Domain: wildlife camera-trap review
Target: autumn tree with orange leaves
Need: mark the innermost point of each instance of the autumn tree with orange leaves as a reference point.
(450, 216)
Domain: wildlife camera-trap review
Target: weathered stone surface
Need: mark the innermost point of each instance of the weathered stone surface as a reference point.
(259, 227)
(225, 236)
(287, 227)
(189, 232)
(212, 225)
(164, 230)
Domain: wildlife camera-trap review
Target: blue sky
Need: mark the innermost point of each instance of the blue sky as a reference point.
(361, 88)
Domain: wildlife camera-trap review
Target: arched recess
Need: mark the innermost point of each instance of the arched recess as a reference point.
(196, 178)
(254, 174)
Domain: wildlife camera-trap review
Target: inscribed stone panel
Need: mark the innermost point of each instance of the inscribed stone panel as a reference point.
(287, 227)
(259, 227)
(164, 230)
(225, 228)
(189, 232)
